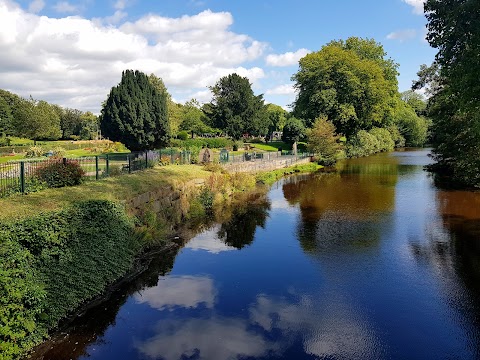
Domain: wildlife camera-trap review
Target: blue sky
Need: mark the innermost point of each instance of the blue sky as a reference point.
(72, 52)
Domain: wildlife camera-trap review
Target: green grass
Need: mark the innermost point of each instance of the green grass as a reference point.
(269, 177)
(118, 188)
(4, 159)
(275, 145)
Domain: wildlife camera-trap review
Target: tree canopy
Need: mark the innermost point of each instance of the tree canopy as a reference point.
(293, 131)
(235, 109)
(135, 113)
(452, 80)
(350, 82)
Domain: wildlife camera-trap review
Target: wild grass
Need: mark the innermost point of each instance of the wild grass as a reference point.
(118, 188)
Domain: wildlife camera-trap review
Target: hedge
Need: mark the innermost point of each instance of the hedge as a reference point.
(54, 263)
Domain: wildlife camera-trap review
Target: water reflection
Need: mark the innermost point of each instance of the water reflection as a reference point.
(344, 209)
(209, 241)
(372, 262)
(239, 230)
(182, 291)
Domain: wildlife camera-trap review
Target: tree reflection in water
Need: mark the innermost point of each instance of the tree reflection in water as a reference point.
(239, 230)
(344, 209)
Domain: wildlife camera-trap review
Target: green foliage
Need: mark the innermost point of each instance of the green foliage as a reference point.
(193, 119)
(323, 141)
(362, 144)
(56, 262)
(22, 298)
(135, 113)
(413, 128)
(235, 109)
(36, 120)
(34, 151)
(212, 143)
(59, 152)
(277, 117)
(206, 199)
(293, 131)
(269, 177)
(349, 82)
(416, 101)
(6, 118)
(182, 135)
(385, 140)
(452, 80)
(58, 173)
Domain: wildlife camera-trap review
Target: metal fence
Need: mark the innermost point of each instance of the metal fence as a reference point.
(22, 176)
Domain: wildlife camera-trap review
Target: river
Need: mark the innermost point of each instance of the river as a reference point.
(371, 262)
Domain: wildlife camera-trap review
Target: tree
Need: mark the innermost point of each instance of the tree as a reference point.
(193, 118)
(415, 100)
(90, 126)
(235, 109)
(349, 82)
(135, 113)
(5, 118)
(37, 120)
(323, 141)
(174, 109)
(454, 29)
(413, 128)
(293, 131)
(277, 117)
(70, 122)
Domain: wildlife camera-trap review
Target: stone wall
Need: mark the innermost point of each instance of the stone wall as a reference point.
(171, 201)
(255, 166)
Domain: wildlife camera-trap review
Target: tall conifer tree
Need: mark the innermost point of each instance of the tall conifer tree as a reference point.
(135, 113)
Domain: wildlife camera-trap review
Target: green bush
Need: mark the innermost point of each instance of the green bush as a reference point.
(212, 143)
(57, 173)
(34, 151)
(385, 141)
(59, 152)
(54, 262)
(362, 144)
(182, 135)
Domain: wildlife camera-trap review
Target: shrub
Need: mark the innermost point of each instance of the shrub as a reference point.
(59, 152)
(362, 144)
(34, 151)
(385, 141)
(58, 173)
(182, 135)
(323, 141)
(212, 143)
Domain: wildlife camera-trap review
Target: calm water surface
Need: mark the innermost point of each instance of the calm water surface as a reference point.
(372, 262)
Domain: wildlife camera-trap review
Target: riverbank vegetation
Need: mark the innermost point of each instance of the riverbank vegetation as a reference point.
(453, 86)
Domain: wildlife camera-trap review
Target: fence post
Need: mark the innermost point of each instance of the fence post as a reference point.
(96, 167)
(107, 166)
(64, 161)
(129, 163)
(171, 156)
(146, 159)
(22, 177)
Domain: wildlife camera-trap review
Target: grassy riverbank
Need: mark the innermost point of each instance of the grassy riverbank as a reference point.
(60, 248)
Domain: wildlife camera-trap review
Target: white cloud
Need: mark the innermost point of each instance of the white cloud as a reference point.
(402, 35)
(213, 338)
(417, 5)
(182, 291)
(286, 89)
(208, 240)
(117, 16)
(286, 59)
(36, 6)
(65, 7)
(73, 61)
(120, 4)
